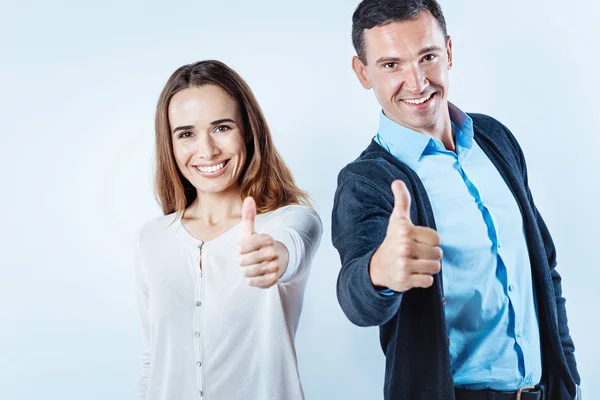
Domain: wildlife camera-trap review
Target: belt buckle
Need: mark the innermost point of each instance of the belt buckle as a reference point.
(520, 390)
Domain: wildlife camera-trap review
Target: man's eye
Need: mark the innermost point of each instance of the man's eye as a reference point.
(390, 65)
(429, 57)
(222, 128)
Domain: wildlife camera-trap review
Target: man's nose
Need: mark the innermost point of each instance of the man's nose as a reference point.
(415, 80)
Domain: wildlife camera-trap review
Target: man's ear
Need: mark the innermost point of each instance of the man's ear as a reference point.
(361, 72)
(449, 51)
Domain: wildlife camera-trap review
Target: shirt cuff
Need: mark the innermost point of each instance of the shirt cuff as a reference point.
(294, 245)
(387, 292)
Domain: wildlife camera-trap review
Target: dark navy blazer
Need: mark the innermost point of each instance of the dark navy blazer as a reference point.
(412, 324)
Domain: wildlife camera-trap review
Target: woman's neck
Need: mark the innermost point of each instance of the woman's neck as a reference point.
(215, 208)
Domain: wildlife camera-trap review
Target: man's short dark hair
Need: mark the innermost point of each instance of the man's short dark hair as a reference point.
(372, 13)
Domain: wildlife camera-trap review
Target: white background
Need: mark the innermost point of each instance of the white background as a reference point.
(78, 87)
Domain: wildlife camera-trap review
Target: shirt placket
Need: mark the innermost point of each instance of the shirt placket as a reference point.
(514, 304)
(197, 323)
(517, 322)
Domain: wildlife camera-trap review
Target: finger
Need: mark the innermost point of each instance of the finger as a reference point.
(426, 236)
(401, 200)
(258, 256)
(416, 250)
(248, 216)
(255, 242)
(264, 268)
(423, 267)
(264, 281)
(421, 281)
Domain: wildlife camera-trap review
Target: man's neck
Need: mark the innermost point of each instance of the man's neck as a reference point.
(442, 131)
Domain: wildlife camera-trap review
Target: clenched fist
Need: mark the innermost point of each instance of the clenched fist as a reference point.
(263, 259)
(409, 255)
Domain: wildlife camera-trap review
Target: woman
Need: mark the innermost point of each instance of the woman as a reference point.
(220, 288)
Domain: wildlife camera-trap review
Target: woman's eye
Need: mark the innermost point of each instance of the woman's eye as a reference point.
(184, 135)
(222, 128)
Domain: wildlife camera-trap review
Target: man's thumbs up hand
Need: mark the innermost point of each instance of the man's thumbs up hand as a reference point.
(401, 201)
(410, 255)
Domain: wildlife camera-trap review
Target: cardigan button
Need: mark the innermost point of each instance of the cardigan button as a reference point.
(444, 300)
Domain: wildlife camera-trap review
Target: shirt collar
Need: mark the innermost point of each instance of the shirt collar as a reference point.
(462, 125)
(408, 145)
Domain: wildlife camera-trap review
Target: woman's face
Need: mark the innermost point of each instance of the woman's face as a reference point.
(208, 138)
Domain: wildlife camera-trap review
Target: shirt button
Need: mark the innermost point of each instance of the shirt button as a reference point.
(199, 364)
(519, 334)
(198, 303)
(444, 300)
(200, 393)
(197, 334)
(511, 288)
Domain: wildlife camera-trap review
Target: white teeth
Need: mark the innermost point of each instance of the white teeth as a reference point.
(418, 101)
(210, 169)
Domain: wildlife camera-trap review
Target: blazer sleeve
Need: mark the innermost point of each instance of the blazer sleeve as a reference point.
(142, 303)
(360, 217)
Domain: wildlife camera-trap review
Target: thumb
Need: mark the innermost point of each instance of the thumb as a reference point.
(248, 215)
(401, 200)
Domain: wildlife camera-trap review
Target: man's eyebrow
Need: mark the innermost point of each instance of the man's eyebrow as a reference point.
(389, 59)
(429, 49)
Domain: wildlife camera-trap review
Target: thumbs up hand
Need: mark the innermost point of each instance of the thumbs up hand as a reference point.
(409, 255)
(259, 254)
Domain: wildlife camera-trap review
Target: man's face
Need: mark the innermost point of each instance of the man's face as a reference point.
(407, 67)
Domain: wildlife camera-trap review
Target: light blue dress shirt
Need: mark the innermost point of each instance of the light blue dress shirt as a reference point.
(491, 312)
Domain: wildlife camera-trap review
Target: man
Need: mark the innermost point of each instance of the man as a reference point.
(441, 244)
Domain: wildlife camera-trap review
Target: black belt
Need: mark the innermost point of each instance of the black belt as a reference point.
(536, 393)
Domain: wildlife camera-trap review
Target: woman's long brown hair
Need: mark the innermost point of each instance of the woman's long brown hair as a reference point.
(265, 176)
